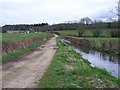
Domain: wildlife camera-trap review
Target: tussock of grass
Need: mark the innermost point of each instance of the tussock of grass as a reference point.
(69, 70)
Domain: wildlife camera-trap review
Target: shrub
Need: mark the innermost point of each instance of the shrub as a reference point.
(80, 32)
(115, 33)
(96, 33)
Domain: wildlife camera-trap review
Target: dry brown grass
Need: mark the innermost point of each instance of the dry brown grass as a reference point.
(12, 46)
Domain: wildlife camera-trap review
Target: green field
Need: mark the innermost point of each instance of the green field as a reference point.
(86, 32)
(0, 36)
(68, 32)
(75, 32)
(22, 36)
(69, 70)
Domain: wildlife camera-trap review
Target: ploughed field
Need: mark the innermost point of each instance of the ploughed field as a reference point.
(15, 45)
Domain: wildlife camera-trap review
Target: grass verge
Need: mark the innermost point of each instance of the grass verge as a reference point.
(108, 45)
(14, 55)
(69, 70)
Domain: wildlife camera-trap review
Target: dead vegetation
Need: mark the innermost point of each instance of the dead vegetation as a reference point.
(13, 46)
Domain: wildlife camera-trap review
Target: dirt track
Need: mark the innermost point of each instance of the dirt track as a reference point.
(26, 72)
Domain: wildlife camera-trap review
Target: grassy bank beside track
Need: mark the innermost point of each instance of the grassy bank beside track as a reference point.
(17, 54)
(28, 49)
(69, 70)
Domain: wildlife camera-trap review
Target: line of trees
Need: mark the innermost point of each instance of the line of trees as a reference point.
(84, 24)
(35, 27)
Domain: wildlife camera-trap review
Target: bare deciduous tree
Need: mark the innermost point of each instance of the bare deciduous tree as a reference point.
(117, 11)
(81, 29)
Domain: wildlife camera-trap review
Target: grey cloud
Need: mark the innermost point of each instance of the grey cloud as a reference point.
(53, 11)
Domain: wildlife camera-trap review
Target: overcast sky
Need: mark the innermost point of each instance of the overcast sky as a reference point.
(53, 11)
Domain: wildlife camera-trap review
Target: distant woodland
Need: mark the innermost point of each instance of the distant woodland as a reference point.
(84, 23)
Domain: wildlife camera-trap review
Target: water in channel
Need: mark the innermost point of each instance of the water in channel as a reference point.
(98, 59)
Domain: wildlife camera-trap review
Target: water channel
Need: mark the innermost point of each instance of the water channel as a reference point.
(101, 60)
